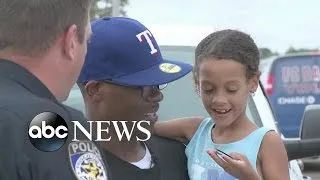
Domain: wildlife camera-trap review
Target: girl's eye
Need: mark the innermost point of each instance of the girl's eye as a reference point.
(207, 89)
(232, 90)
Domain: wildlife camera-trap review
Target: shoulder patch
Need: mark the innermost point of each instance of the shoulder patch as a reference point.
(86, 161)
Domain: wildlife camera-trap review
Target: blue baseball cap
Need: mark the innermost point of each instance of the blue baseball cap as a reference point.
(125, 51)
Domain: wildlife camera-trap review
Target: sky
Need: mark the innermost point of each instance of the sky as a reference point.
(275, 24)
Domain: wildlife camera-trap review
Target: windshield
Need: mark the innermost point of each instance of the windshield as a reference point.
(298, 75)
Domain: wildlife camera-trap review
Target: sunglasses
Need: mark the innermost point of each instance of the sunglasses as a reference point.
(146, 91)
(156, 87)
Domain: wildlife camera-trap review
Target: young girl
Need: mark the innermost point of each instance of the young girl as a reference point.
(226, 74)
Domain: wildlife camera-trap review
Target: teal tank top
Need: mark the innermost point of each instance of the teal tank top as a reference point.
(202, 167)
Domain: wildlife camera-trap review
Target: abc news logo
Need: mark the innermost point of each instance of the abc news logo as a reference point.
(48, 131)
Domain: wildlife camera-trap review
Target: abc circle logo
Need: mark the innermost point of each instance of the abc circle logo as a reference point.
(48, 132)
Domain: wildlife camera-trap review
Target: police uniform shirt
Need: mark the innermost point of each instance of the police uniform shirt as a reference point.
(168, 162)
(22, 97)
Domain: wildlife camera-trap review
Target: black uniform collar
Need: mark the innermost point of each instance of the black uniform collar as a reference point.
(154, 158)
(20, 75)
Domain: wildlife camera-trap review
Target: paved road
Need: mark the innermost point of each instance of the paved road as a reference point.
(312, 169)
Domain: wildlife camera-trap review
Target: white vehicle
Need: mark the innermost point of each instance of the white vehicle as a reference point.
(180, 100)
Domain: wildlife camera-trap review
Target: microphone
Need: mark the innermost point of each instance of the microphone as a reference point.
(154, 160)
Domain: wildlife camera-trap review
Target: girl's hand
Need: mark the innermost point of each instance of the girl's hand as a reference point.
(238, 165)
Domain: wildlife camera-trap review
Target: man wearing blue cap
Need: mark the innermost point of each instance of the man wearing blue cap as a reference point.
(121, 80)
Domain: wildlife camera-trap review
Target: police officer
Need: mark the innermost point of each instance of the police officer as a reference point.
(42, 48)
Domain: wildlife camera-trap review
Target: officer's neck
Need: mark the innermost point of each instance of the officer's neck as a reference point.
(48, 74)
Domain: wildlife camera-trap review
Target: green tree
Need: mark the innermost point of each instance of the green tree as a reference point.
(266, 52)
(291, 50)
(105, 8)
(294, 50)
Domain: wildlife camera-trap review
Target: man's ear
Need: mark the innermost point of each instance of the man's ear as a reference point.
(93, 90)
(70, 41)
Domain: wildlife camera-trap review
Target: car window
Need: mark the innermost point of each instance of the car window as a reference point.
(75, 86)
(75, 99)
(297, 75)
(253, 113)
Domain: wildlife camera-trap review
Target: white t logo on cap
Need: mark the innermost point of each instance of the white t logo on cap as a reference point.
(146, 34)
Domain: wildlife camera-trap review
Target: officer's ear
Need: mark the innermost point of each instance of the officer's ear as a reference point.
(93, 91)
(70, 42)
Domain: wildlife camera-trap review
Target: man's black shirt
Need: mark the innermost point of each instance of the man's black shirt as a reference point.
(22, 97)
(169, 160)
